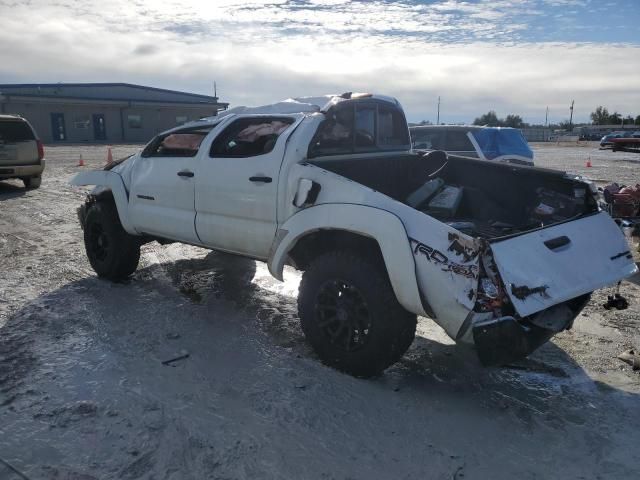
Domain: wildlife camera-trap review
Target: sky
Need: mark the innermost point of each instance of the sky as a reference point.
(511, 56)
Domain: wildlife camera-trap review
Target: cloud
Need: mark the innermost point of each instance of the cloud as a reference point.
(476, 56)
(146, 49)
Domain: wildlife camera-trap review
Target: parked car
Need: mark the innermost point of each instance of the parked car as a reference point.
(21, 152)
(606, 140)
(486, 143)
(501, 256)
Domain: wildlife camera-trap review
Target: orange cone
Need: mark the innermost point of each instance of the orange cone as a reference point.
(81, 161)
(589, 163)
(109, 155)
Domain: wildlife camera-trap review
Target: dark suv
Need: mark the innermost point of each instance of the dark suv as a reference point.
(21, 152)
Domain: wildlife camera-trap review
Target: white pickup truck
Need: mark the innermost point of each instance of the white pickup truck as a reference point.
(501, 256)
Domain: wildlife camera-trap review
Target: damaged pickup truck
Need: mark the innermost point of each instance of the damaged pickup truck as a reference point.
(501, 256)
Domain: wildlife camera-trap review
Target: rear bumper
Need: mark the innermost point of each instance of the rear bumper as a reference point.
(18, 171)
(500, 341)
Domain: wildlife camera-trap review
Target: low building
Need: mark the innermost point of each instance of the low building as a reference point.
(103, 112)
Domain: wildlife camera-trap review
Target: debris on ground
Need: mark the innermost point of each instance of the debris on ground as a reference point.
(184, 355)
(616, 301)
(631, 357)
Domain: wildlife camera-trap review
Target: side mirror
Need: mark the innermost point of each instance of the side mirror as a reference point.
(307, 193)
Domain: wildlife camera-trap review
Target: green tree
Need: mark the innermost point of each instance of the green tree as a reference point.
(514, 121)
(490, 118)
(637, 122)
(614, 119)
(600, 116)
(566, 125)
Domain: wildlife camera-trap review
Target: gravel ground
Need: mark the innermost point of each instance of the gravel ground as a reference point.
(84, 394)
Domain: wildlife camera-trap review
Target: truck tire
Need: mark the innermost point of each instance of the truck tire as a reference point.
(112, 252)
(32, 182)
(351, 316)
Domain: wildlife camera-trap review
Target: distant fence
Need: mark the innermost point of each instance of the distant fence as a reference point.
(537, 134)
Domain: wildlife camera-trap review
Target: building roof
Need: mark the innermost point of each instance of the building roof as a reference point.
(106, 91)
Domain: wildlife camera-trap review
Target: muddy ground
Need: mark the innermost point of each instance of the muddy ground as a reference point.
(84, 394)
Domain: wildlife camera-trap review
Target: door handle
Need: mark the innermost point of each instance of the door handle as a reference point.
(185, 173)
(261, 179)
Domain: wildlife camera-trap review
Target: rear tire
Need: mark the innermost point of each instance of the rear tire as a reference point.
(350, 314)
(32, 182)
(112, 252)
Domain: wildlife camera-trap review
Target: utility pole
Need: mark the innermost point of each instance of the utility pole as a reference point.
(215, 89)
(571, 116)
(546, 118)
(438, 117)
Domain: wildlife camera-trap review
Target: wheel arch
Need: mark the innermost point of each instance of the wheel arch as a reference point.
(114, 183)
(319, 229)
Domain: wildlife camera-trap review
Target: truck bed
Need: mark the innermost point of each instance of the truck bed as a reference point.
(496, 199)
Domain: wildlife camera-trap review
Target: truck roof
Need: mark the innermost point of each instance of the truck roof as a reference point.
(306, 104)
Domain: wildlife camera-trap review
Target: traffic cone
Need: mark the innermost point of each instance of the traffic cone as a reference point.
(81, 161)
(589, 162)
(109, 155)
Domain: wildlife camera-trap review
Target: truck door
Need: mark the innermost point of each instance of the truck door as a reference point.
(163, 185)
(237, 184)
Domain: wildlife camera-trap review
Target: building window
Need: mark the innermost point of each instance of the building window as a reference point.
(180, 120)
(81, 122)
(134, 121)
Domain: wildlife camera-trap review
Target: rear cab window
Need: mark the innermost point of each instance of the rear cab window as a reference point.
(360, 128)
(14, 131)
(249, 137)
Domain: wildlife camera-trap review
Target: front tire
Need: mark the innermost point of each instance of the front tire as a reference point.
(350, 314)
(112, 252)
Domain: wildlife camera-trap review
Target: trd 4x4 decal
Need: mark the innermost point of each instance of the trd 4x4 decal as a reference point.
(439, 258)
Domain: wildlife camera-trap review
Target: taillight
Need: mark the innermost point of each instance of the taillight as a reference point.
(40, 150)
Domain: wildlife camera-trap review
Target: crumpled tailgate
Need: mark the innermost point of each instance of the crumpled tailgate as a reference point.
(555, 264)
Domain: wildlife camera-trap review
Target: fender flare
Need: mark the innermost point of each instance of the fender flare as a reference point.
(113, 182)
(380, 225)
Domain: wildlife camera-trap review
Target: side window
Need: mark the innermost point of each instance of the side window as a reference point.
(428, 139)
(392, 128)
(457, 140)
(335, 134)
(365, 126)
(183, 143)
(249, 137)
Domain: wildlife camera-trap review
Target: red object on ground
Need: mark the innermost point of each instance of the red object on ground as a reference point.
(589, 163)
(109, 155)
(81, 161)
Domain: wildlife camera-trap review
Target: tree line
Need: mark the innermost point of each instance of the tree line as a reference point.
(600, 116)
